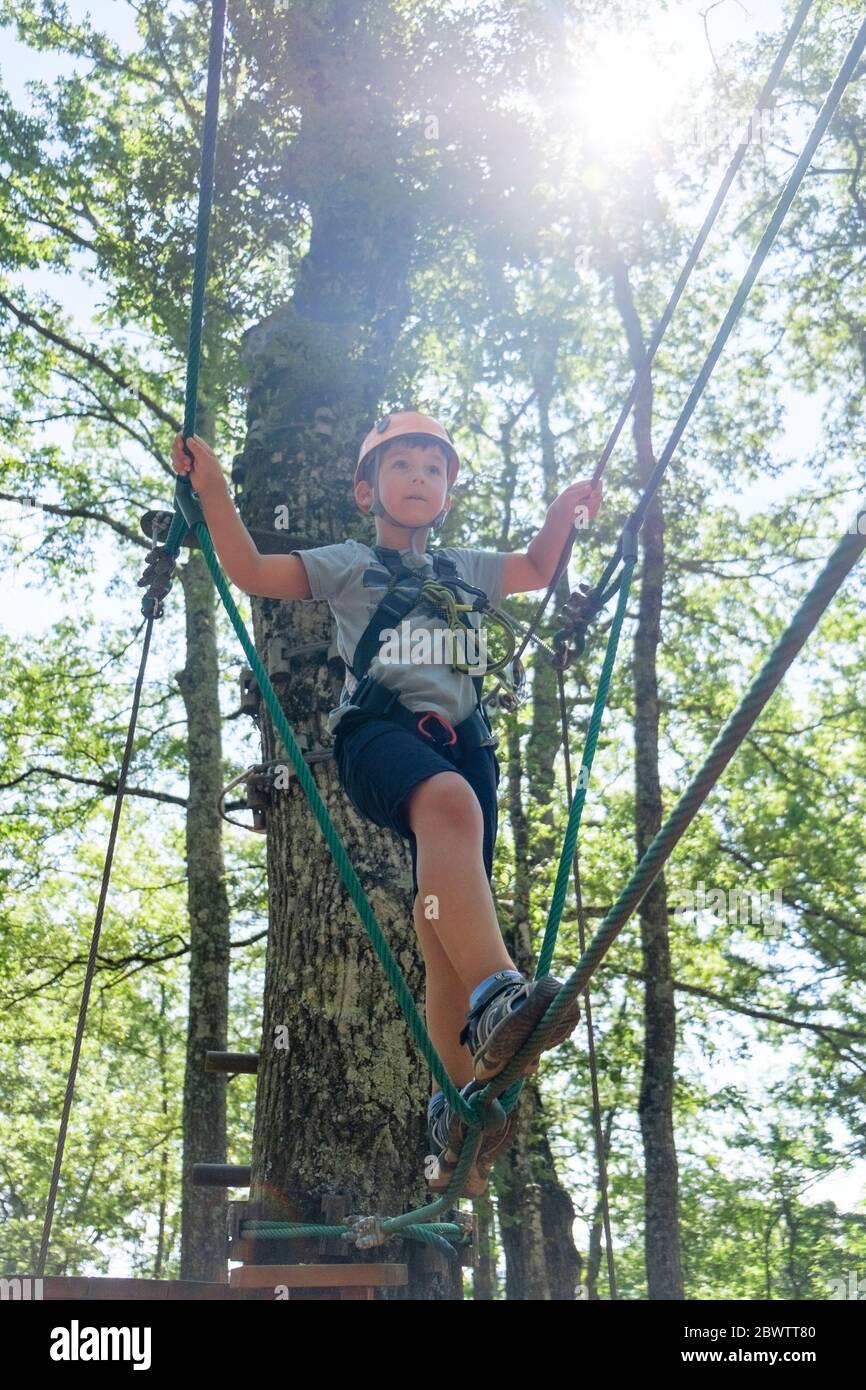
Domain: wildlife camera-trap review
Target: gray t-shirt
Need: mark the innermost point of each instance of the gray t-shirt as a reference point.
(353, 580)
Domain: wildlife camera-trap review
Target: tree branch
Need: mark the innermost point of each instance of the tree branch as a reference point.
(86, 355)
(110, 788)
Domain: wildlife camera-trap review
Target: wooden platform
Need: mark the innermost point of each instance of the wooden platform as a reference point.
(346, 1281)
(250, 1283)
(94, 1288)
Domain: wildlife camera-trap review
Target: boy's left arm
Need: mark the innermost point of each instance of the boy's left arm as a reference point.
(573, 508)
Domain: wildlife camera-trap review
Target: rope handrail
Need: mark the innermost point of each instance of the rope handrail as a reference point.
(728, 740)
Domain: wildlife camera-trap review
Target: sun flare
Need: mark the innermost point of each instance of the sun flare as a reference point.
(626, 89)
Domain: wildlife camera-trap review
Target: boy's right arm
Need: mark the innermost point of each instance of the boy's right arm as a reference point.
(265, 576)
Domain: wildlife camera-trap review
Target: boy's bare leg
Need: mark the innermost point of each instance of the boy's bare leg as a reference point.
(454, 906)
(447, 1003)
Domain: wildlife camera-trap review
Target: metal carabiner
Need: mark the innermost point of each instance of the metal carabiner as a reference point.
(446, 724)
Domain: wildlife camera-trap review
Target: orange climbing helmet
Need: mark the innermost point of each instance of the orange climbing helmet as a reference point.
(397, 426)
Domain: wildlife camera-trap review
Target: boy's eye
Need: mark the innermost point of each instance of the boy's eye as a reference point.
(432, 467)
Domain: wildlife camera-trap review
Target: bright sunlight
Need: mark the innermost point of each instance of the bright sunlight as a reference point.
(629, 91)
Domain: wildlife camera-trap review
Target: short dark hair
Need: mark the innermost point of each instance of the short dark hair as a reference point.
(415, 440)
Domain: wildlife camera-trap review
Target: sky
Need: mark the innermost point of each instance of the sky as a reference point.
(641, 95)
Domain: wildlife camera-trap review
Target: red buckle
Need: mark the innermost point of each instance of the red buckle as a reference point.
(446, 724)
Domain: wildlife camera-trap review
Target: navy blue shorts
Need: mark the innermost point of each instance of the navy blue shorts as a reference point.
(379, 762)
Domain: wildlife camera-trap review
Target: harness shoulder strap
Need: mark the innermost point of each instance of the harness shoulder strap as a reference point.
(399, 600)
(443, 567)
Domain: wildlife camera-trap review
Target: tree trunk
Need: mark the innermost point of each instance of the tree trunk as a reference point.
(661, 1233)
(342, 1087)
(485, 1282)
(203, 1236)
(536, 1214)
(164, 1152)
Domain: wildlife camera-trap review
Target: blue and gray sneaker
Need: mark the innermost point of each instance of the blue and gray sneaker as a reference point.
(503, 1016)
(447, 1131)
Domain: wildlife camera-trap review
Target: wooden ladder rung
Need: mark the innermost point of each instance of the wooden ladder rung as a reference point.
(232, 1062)
(221, 1175)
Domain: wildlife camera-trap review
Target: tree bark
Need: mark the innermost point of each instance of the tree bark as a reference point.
(485, 1282)
(203, 1236)
(661, 1202)
(342, 1088)
(536, 1214)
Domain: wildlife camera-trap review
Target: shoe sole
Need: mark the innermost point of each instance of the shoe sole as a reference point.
(475, 1182)
(510, 1035)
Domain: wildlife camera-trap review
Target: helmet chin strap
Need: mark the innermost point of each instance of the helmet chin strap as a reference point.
(377, 508)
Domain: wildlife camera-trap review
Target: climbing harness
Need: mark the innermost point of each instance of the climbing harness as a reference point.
(408, 590)
(486, 1108)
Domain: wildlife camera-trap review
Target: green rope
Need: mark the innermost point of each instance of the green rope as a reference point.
(332, 838)
(623, 585)
(187, 506)
(206, 184)
(738, 724)
(484, 1109)
(289, 1230)
(438, 1234)
(569, 844)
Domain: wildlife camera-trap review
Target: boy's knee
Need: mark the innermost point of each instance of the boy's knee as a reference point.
(446, 798)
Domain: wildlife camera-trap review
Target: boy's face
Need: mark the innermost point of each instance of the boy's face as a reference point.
(413, 482)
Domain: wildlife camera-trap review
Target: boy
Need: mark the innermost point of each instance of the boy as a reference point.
(413, 749)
